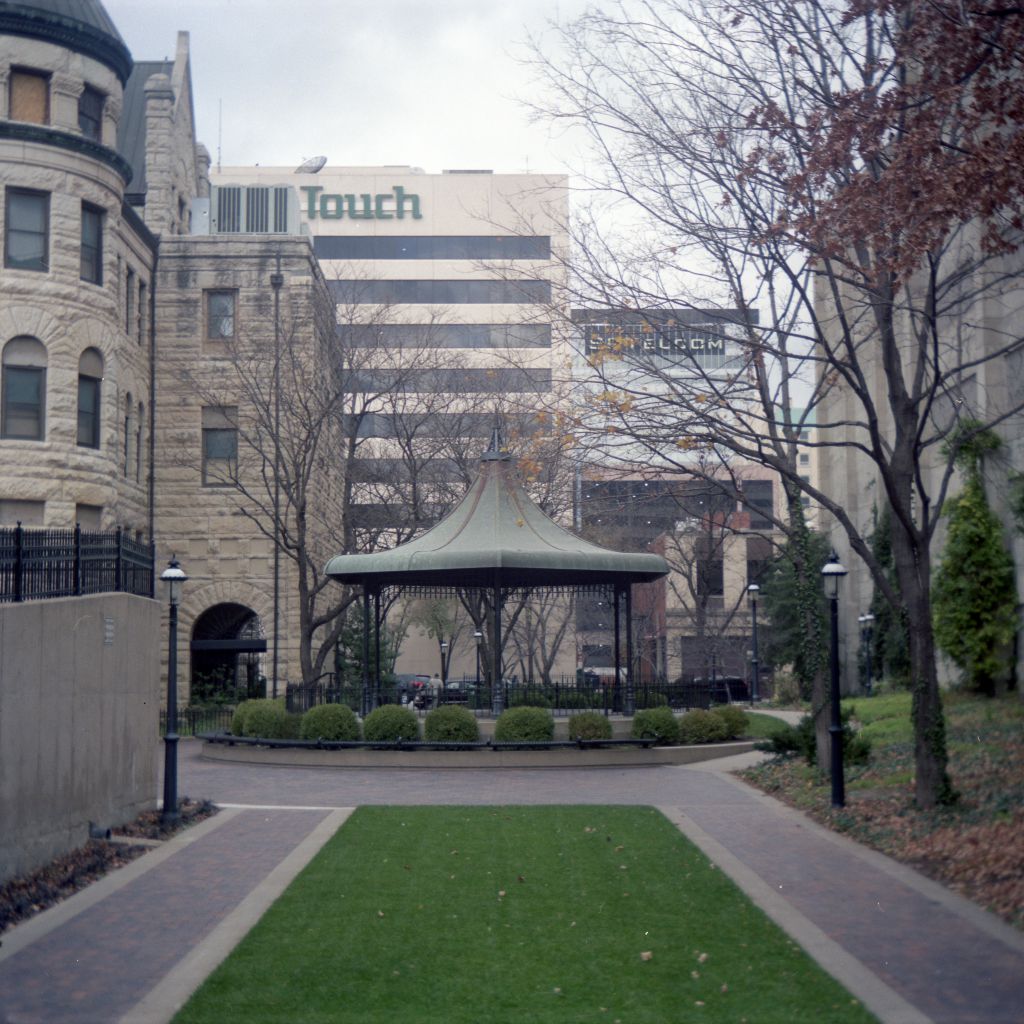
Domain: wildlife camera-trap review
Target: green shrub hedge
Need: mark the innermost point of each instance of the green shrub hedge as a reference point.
(589, 725)
(524, 724)
(658, 724)
(264, 719)
(389, 723)
(329, 722)
(702, 727)
(735, 720)
(451, 724)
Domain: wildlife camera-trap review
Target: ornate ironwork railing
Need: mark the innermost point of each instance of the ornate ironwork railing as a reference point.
(39, 564)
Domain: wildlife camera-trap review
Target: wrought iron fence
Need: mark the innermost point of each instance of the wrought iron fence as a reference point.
(39, 564)
(193, 721)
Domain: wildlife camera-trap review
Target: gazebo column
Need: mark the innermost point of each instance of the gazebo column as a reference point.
(630, 704)
(367, 707)
(497, 687)
(616, 685)
(376, 640)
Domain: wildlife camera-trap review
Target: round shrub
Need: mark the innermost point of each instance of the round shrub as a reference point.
(329, 722)
(702, 727)
(265, 719)
(391, 722)
(658, 724)
(238, 718)
(589, 725)
(451, 724)
(517, 725)
(735, 719)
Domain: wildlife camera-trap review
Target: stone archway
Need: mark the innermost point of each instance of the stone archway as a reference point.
(226, 649)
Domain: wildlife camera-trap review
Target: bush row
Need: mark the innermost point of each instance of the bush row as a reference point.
(268, 719)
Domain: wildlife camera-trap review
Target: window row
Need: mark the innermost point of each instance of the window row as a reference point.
(438, 292)
(28, 512)
(432, 247)
(445, 335)
(445, 381)
(28, 99)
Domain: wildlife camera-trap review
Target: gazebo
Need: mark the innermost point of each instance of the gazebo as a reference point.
(497, 540)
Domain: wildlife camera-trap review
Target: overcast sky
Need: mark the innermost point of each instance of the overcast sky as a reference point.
(431, 83)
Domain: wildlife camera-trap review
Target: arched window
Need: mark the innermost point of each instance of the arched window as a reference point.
(90, 376)
(127, 434)
(138, 442)
(23, 413)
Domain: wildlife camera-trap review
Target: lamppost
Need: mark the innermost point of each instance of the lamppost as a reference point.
(865, 635)
(444, 663)
(752, 591)
(832, 573)
(174, 576)
(479, 638)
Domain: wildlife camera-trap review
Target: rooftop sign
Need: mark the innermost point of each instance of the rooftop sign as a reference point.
(393, 205)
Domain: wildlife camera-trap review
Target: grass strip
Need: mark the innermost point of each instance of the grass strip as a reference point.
(540, 914)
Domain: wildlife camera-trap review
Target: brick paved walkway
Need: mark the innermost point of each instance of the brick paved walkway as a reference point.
(133, 946)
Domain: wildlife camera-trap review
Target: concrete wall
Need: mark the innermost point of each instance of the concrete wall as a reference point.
(79, 721)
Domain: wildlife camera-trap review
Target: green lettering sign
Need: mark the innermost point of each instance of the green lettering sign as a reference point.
(384, 206)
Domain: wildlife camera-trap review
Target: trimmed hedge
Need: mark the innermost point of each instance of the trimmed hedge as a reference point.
(658, 724)
(451, 724)
(264, 719)
(329, 722)
(391, 722)
(702, 727)
(735, 719)
(524, 724)
(589, 725)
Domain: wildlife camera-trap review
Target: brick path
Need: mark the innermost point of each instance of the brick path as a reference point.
(133, 946)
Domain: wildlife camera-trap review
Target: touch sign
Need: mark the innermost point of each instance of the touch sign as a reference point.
(393, 205)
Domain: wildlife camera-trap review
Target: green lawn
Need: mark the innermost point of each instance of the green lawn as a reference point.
(760, 726)
(524, 914)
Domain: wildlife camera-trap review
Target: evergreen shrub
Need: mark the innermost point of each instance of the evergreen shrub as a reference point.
(589, 725)
(329, 722)
(658, 724)
(524, 724)
(735, 719)
(389, 723)
(700, 726)
(266, 719)
(451, 724)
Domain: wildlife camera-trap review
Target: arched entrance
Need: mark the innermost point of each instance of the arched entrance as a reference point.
(227, 644)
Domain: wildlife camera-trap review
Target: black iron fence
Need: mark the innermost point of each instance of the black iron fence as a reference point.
(37, 564)
(194, 721)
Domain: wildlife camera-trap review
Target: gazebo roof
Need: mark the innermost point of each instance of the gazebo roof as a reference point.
(497, 536)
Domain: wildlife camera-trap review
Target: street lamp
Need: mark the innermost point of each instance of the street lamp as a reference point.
(832, 573)
(752, 591)
(479, 638)
(174, 576)
(444, 661)
(865, 635)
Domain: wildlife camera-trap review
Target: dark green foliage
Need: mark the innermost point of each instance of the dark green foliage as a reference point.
(794, 603)
(451, 724)
(656, 723)
(238, 718)
(799, 740)
(735, 720)
(524, 724)
(529, 697)
(651, 699)
(699, 726)
(266, 719)
(890, 647)
(589, 725)
(389, 723)
(329, 722)
(974, 596)
(348, 653)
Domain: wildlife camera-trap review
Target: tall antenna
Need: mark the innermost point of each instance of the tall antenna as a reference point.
(220, 122)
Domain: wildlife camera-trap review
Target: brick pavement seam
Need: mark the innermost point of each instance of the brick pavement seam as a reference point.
(979, 917)
(36, 928)
(887, 1004)
(173, 990)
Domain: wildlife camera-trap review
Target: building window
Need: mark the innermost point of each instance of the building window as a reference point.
(220, 315)
(17, 510)
(440, 292)
(710, 577)
(129, 302)
(127, 435)
(805, 459)
(26, 241)
(23, 412)
(143, 312)
(138, 443)
(90, 113)
(220, 445)
(90, 376)
(89, 517)
(29, 96)
(92, 244)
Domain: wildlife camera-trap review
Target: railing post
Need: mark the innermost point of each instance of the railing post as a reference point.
(118, 565)
(17, 561)
(78, 560)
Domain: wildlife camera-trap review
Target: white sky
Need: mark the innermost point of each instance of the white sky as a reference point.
(431, 83)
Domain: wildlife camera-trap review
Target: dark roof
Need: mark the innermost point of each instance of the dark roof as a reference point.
(497, 535)
(131, 130)
(80, 25)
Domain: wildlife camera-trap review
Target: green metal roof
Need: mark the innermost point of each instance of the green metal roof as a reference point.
(497, 536)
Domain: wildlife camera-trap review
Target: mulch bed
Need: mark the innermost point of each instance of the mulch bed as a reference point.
(22, 898)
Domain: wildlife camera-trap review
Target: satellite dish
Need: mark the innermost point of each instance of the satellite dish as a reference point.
(311, 166)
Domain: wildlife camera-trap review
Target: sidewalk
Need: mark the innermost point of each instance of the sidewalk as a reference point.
(135, 945)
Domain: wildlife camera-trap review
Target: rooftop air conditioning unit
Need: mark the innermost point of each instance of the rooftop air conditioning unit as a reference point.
(254, 209)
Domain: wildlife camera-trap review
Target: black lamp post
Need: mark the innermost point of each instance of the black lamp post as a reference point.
(832, 573)
(752, 591)
(479, 638)
(174, 576)
(444, 663)
(865, 635)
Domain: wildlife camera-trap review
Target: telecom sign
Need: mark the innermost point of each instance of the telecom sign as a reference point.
(668, 340)
(393, 205)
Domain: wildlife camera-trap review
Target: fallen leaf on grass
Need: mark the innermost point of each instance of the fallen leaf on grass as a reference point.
(646, 955)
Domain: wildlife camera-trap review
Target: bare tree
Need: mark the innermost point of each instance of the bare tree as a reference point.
(826, 164)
